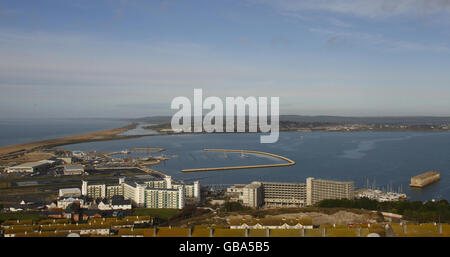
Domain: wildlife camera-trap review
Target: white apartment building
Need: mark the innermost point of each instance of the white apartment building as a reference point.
(320, 189)
(280, 194)
(162, 193)
(252, 195)
(277, 194)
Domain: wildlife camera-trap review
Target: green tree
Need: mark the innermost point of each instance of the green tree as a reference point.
(232, 206)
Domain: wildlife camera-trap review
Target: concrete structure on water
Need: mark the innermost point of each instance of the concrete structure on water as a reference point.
(289, 161)
(425, 179)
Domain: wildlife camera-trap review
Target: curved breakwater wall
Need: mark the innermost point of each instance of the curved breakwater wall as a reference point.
(289, 161)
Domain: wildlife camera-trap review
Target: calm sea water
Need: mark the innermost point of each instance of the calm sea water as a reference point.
(17, 131)
(381, 157)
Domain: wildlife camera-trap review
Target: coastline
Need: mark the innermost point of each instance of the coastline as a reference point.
(11, 151)
(168, 130)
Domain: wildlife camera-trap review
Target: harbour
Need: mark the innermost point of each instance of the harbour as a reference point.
(329, 155)
(289, 161)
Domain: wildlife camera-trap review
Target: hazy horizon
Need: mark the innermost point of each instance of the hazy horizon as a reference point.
(130, 58)
(300, 115)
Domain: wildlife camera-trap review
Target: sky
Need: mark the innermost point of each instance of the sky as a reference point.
(130, 58)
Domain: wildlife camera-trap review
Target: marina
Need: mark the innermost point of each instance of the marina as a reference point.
(394, 157)
(379, 195)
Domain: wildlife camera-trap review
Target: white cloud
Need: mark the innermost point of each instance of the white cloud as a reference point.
(364, 8)
(70, 74)
(381, 42)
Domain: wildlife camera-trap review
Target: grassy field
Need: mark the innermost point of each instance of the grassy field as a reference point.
(160, 213)
(29, 157)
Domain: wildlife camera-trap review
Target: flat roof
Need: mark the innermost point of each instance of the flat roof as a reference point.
(285, 183)
(333, 181)
(31, 164)
(427, 174)
(73, 166)
(70, 190)
(253, 185)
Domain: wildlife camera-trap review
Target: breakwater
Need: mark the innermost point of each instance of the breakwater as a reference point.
(289, 161)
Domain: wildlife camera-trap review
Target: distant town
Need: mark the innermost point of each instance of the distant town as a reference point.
(336, 123)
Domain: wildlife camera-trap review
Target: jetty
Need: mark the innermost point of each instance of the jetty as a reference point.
(151, 171)
(289, 162)
(148, 149)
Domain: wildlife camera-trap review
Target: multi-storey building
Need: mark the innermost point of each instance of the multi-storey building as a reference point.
(164, 198)
(93, 190)
(236, 192)
(113, 190)
(163, 193)
(252, 195)
(144, 195)
(192, 190)
(277, 194)
(320, 189)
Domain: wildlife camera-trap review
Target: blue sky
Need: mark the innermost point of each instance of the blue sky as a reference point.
(130, 58)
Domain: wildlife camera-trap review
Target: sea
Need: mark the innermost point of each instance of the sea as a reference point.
(383, 160)
(17, 131)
